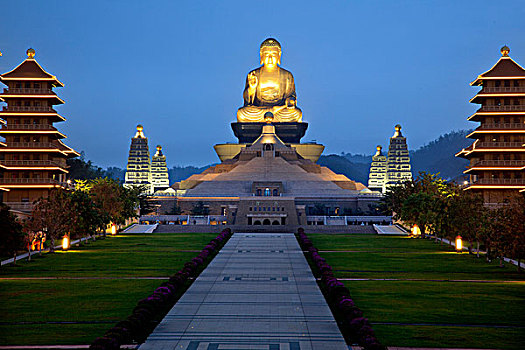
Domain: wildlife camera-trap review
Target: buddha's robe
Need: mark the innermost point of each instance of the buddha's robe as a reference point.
(271, 93)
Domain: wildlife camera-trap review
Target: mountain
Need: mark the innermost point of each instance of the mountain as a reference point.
(435, 157)
(438, 155)
(178, 173)
(341, 165)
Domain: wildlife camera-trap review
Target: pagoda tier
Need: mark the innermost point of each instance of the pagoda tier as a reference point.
(159, 171)
(33, 159)
(377, 176)
(138, 170)
(398, 168)
(497, 156)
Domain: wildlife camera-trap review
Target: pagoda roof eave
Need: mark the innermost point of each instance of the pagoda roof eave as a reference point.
(51, 97)
(31, 132)
(502, 113)
(34, 68)
(494, 131)
(473, 99)
(30, 114)
(502, 60)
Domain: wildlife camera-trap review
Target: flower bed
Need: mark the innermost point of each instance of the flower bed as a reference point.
(152, 309)
(355, 327)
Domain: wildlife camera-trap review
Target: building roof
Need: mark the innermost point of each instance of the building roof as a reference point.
(505, 68)
(30, 70)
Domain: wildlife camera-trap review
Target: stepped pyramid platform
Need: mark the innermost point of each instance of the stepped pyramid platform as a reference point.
(270, 183)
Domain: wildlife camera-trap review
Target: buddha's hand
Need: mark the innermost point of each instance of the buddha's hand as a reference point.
(252, 85)
(252, 81)
(290, 102)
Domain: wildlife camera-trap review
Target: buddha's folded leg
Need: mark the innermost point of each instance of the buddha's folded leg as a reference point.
(288, 115)
(251, 114)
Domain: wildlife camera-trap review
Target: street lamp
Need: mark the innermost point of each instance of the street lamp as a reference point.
(459, 244)
(65, 243)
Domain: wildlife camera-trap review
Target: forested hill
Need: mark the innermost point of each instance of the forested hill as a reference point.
(435, 157)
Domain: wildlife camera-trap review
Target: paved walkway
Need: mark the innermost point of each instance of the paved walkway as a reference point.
(258, 293)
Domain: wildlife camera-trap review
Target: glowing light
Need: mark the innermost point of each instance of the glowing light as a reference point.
(113, 229)
(416, 231)
(65, 243)
(465, 182)
(459, 244)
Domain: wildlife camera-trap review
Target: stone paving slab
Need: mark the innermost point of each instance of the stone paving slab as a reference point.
(258, 293)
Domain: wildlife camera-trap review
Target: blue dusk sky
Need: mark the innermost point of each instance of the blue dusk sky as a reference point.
(179, 67)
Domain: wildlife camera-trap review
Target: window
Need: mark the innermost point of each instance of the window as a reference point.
(36, 85)
(275, 192)
(497, 83)
(258, 192)
(507, 101)
(516, 83)
(497, 102)
(267, 192)
(27, 85)
(507, 83)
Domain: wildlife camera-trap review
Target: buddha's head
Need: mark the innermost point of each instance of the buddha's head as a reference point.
(270, 53)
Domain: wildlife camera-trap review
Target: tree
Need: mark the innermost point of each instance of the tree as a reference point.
(106, 194)
(52, 215)
(514, 231)
(85, 219)
(12, 238)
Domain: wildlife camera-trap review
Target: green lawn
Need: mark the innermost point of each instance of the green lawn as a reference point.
(435, 312)
(77, 296)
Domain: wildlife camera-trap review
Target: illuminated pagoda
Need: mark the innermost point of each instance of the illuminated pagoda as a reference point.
(497, 156)
(159, 171)
(377, 176)
(138, 171)
(398, 161)
(33, 158)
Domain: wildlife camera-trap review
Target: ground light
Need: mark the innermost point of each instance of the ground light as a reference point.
(113, 229)
(459, 244)
(65, 243)
(415, 230)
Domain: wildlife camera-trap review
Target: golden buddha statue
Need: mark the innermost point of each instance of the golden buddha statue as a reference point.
(269, 88)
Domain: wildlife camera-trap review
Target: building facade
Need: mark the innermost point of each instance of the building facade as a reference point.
(138, 170)
(159, 171)
(497, 156)
(377, 177)
(33, 156)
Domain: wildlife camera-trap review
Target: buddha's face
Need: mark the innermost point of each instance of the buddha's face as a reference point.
(270, 57)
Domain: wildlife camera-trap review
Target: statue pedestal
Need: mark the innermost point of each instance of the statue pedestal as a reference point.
(287, 132)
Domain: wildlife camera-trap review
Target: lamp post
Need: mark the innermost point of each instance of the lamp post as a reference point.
(459, 244)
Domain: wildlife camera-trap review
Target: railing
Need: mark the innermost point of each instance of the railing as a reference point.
(29, 127)
(499, 144)
(31, 145)
(499, 182)
(502, 126)
(504, 89)
(6, 181)
(502, 108)
(29, 91)
(33, 163)
(29, 109)
(22, 206)
(514, 163)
